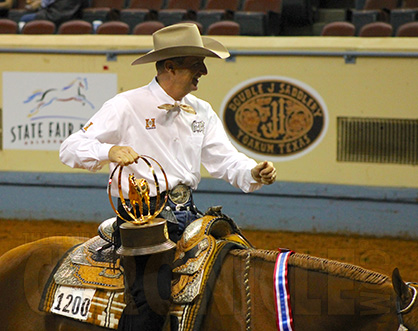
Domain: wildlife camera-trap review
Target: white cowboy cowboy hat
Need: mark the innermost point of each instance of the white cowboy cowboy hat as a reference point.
(182, 39)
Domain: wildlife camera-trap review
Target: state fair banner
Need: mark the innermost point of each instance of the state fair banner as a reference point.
(41, 109)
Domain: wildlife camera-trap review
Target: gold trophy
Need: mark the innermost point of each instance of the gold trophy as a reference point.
(139, 194)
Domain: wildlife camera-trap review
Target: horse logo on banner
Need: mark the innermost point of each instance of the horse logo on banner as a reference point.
(74, 91)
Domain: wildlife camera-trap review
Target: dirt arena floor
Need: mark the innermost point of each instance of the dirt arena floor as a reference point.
(378, 254)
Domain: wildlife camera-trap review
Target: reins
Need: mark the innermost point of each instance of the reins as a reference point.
(405, 310)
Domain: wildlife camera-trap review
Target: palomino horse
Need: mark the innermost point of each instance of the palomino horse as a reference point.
(325, 294)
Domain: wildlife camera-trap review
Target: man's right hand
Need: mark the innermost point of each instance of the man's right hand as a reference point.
(123, 155)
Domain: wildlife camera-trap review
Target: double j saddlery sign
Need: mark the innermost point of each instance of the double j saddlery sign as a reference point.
(41, 109)
(278, 117)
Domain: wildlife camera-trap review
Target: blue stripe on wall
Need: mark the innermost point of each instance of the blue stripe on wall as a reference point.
(363, 210)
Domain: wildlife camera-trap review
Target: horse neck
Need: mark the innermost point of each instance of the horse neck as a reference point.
(339, 296)
(242, 295)
(325, 295)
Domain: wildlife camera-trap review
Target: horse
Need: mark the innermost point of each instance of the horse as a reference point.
(74, 91)
(324, 294)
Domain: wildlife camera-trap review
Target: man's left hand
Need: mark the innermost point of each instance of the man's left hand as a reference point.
(264, 173)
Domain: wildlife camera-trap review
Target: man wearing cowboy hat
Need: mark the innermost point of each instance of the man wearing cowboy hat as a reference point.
(163, 120)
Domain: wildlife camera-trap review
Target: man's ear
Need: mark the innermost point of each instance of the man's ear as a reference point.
(169, 65)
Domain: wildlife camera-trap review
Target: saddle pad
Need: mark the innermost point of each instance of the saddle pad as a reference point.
(100, 305)
(281, 292)
(85, 267)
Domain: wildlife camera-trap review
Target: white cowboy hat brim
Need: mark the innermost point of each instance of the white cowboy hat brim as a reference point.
(188, 43)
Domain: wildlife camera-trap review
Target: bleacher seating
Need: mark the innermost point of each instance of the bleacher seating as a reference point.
(39, 27)
(216, 10)
(410, 4)
(254, 17)
(401, 16)
(376, 29)
(224, 28)
(101, 10)
(113, 27)
(339, 29)
(147, 28)
(75, 27)
(408, 30)
(8, 26)
(260, 17)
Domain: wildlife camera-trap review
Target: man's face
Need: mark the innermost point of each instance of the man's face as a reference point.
(189, 72)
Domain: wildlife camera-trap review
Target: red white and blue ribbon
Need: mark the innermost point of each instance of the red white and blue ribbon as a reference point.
(282, 294)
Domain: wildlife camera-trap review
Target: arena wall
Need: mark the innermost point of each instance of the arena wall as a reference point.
(317, 190)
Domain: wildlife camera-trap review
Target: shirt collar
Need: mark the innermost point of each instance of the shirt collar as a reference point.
(162, 95)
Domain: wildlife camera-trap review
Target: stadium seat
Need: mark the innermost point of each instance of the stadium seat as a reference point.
(410, 4)
(117, 4)
(75, 27)
(134, 16)
(259, 17)
(224, 28)
(223, 4)
(263, 5)
(184, 4)
(362, 17)
(383, 6)
(101, 10)
(376, 29)
(172, 16)
(380, 4)
(39, 27)
(408, 30)
(8, 26)
(147, 27)
(217, 10)
(146, 4)
(208, 16)
(139, 11)
(113, 27)
(402, 16)
(178, 10)
(339, 29)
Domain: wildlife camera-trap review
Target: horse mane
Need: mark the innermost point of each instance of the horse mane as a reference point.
(314, 263)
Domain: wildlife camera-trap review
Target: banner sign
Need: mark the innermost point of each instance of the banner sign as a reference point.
(275, 117)
(41, 109)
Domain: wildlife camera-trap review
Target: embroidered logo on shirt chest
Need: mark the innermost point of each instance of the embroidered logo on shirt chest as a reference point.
(150, 123)
(198, 126)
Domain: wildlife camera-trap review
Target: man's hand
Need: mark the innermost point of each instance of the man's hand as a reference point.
(264, 173)
(123, 155)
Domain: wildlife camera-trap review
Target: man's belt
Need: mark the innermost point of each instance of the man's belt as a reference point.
(179, 196)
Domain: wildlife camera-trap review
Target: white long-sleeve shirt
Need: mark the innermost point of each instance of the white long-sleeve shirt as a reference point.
(178, 140)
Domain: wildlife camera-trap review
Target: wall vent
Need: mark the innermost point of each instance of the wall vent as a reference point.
(377, 140)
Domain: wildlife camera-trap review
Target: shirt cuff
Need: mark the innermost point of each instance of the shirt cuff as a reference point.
(103, 152)
(253, 185)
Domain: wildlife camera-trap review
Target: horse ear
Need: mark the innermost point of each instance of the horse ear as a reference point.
(399, 285)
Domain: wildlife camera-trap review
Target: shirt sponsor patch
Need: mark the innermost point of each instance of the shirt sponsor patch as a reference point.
(198, 127)
(85, 128)
(150, 123)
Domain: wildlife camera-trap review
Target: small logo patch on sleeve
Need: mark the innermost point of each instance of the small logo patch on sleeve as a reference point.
(85, 128)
